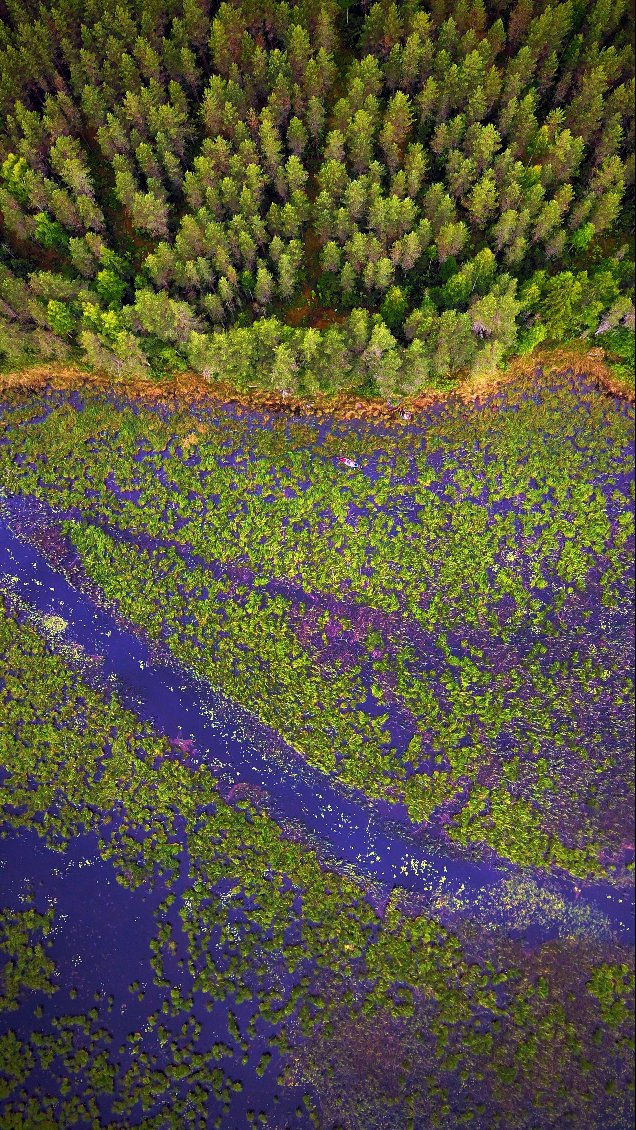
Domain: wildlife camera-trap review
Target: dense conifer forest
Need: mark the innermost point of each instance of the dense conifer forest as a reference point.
(314, 196)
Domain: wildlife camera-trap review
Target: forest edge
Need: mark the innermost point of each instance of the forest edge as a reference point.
(188, 387)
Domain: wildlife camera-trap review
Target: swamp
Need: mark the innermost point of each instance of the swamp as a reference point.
(317, 763)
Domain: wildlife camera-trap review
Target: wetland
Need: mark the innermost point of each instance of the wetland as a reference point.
(317, 778)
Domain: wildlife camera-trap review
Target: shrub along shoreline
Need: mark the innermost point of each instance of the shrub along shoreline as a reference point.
(189, 387)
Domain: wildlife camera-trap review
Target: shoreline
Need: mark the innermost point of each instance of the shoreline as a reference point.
(190, 388)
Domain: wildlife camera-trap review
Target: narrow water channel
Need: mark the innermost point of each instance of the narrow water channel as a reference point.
(238, 748)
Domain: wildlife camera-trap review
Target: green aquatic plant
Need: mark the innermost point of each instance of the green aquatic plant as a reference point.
(255, 911)
(267, 568)
(26, 965)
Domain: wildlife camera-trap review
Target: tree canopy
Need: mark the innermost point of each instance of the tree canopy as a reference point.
(172, 175)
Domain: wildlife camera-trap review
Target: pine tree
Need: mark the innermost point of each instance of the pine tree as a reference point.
(606, 210)
(360, 141)
(533, 191)
(322, 218)
(298, 51)
(333, 181)
(461, 173)
(494, 314)
(551, 214)
(333, 363)
(412, 60)
(284, 369)
(271, 146)
(452, 344)
(295, 174)
(68, 161)
(82, 257)
(170, 162)
(264, 285)
(289, 222)
(382, 29)
(611, 140)
(358, 330)
(398, 122)
(297, 136)
(147, 160)
(585, 111)
(149, 214)
(368, 276)
(383, 276)
(481, 144)
(160, 264)
(331, 257)
(381, 359)
(164, 317)
(280, 101)
(319, 75)
(411, 248)
(214, 309)
(560, 305)
(121, 357)
(415, 168)
(394, 307)
(315, 117)
(226, 292)
(482, 200)
(348, 280)
(565, 155)
(518, 123)
(450, 240)
(427, 102)
(286, 277)
(516, 251)
(505, 228)
(438, 206)
(448, 134)
(356, 196)
(519, 21)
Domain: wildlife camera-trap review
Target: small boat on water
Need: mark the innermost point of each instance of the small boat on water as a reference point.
(346, 462)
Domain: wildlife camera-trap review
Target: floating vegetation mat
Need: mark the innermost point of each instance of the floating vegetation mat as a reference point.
(317, 765)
